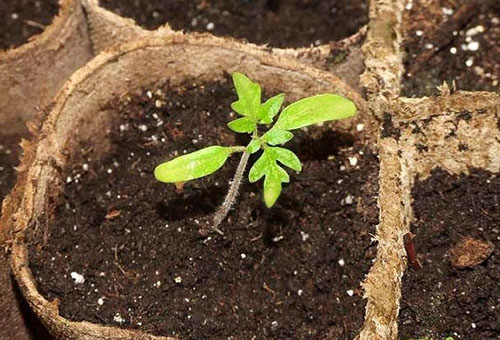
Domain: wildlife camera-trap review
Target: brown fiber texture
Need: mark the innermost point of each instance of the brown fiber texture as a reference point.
(29, 76)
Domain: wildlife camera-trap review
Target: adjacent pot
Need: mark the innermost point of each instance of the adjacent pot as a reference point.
(32, 73)
(108, 28)
(77, 115)
(454, 132)
(29, 76)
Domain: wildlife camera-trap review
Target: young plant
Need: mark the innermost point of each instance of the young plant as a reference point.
(305, 112)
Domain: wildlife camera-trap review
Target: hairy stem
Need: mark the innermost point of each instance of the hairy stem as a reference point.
(223, 210)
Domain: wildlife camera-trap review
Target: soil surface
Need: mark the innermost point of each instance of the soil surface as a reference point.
(291, 272)
(279, 23)
(21, 19)
(451, 40)
(9, 158)
(457, 227)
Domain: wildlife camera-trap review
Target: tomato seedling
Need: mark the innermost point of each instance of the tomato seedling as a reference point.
(302, 113)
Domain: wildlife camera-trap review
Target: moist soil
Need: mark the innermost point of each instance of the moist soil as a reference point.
(451, 41)
(279, 23)
(22, 19)
(290, 272)
(443, 298)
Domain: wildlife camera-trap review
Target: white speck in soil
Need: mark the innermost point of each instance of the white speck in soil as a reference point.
(419, 33)
(210, 26)
(69, 179)
(78, 278)
(453, 50)
(447, 11)
(469, 62)
(100, 301)
(178, 279)
(299, 292)
(341, 262)
(243, 256)
(473, 46)
(143, 127)
(304, 235)
(349, 199)
(118, 318)
(360, 127)
(350, 292)
(278, 238)
(353, 161)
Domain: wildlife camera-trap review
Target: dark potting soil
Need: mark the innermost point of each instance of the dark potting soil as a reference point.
(290, 272)
(451, 40)
(279, 23)
(457, 228)
(21, 19)
(9, 159)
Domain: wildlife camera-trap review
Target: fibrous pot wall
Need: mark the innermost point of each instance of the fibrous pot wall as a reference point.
(30, 76)
(32, 73)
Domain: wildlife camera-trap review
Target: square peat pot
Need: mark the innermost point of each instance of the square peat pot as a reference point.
(444, 187)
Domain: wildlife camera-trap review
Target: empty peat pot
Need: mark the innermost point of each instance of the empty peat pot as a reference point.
(87, 190)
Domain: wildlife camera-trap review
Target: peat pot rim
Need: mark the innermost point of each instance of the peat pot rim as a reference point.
(58, 24)
(46, 154)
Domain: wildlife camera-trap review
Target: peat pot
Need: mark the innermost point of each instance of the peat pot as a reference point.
(103, 251)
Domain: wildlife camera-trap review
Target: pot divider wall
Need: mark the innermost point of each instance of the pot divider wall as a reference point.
(428, 135)
(77, 115)
(29, 76)
(108, 29)
(381, 80)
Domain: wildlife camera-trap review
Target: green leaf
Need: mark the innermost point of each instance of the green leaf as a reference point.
(288, 158)
(253, 146)
(316, 109)
(193, 165)
(260, 167)
(242, 125)
(274, 175)
(249, 96)
(272, 188)
(283, 175)
(270, 109)
(276, 137)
